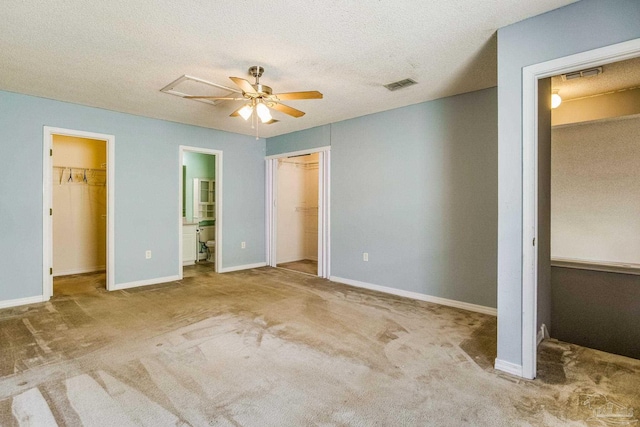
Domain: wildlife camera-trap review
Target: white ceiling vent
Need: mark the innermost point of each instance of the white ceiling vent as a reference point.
(590, 72)
(400, 84)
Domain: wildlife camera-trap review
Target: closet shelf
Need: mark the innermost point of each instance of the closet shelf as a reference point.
(80, 168)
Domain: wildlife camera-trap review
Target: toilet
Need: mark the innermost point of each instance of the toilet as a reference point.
(211, 250)
(207, 236)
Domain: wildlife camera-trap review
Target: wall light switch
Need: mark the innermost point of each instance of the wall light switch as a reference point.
(147, 254)
(365, 256)
(243, 245)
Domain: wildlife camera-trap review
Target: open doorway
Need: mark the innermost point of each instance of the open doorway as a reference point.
(595, 200)
(536, 291)
(77, 211)
(298, 211)
(200, 210)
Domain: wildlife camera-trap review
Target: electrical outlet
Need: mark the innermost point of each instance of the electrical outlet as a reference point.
(147, 254)
(243, 245)
(365, 256)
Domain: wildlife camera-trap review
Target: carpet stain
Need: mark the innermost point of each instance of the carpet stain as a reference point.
(482, 344)
(271, 347)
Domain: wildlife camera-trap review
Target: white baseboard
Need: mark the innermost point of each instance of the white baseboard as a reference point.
(128, 285)
(415, 295)
(508, 367)
(290, 259)
(22, 301)
(79, 271)
(242, 267)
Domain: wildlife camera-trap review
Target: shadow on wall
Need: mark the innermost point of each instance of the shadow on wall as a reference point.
(597, 309)
(416, 188)
(482, 67)
(468, 202)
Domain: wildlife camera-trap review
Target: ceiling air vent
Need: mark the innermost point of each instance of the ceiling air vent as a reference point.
(590, 72)
(400, 84)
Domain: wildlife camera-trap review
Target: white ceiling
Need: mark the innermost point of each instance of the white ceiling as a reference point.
(616, 76)
(118, 54)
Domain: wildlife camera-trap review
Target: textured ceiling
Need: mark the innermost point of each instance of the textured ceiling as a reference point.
(118, 54)
(615, 77)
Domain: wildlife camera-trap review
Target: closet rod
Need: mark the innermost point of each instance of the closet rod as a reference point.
(79, 168)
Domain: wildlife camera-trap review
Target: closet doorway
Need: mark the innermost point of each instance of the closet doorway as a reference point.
(536, 287)
(298, 214)
(78, 201)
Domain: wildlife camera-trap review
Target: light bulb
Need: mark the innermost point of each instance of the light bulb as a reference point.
(555, 100)
(263, 113)
(246, 111)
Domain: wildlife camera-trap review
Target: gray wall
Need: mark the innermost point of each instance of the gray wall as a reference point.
(579, 27)
(597, 310)
(146, 190)
(416, 188)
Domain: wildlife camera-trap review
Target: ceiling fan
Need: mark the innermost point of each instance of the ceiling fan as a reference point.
(260, 98)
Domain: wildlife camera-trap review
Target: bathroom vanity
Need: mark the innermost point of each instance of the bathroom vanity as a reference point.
(189, 243)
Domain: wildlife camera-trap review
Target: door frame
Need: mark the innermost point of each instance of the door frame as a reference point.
(324, 207)
(218, 209)
(530, 76)
(47, 204)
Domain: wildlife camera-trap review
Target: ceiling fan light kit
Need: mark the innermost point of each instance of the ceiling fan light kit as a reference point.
(261, 98)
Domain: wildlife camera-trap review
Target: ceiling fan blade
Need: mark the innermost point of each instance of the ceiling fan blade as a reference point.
(244, 85)
(311, 94)
(221, 98)
(236, 113)
(288, 110)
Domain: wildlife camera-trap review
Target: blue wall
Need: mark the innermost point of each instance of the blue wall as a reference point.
(303, 140)
(579, 27)
(416, 188)
(146, 190)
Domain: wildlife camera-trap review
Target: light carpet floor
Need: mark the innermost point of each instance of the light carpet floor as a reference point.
(268, 347)
(307, 266)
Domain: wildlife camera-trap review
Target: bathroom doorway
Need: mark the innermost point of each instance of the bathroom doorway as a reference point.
(77, 211)
(200, 209)
(298, 211)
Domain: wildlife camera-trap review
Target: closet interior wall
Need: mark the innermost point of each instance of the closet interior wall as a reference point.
(297, 208)
(79, 205)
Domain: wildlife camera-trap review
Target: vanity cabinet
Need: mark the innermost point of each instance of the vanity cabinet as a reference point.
(204, 199)
(189, 244)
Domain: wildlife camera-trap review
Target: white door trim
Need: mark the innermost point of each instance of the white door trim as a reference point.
(47, 204)
(530, 77)
(324, 204)
(218, 201)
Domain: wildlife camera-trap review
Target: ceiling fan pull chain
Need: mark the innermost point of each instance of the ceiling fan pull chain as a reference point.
(257, 125)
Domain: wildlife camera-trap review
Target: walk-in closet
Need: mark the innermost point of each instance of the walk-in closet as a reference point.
(79, 213)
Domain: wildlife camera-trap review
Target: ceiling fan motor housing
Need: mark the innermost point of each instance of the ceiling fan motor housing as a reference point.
(263, 89)
(256, 71)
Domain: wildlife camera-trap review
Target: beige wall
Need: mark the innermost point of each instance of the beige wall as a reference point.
(79, 208)
(595, 191)
(616, 104)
